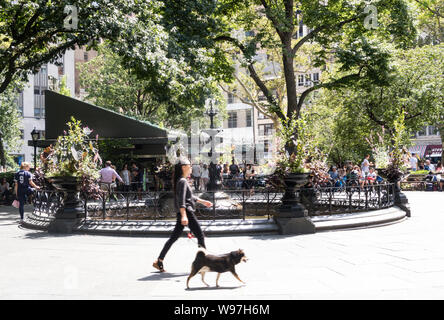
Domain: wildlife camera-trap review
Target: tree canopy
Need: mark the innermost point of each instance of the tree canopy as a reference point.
(363, 111)
(110, 85)
(338, 32)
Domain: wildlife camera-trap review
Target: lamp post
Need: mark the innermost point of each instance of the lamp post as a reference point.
(2, 152)
(35, 136)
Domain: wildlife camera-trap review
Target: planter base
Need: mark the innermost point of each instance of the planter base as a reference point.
(292, 209)
(295, 225)
(65, 226)
(66, 220)
(291, 218)
(402, 202)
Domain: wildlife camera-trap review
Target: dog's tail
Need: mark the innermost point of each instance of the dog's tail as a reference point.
(201, 253)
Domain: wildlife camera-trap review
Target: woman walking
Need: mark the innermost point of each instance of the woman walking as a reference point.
(185, 204)
(126, 174)
(23, 183)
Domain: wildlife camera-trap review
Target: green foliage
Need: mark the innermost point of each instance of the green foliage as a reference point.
(398, 139)
(111, 85)
(112, 150)
(63, 88)
(419, 172)
(299, 145)
(9, 175)
(165, 43)
(429, 16)
(74, 154)
(337, 34)
(180, 63)
(33, 33)
(351, 117)
(10, 123)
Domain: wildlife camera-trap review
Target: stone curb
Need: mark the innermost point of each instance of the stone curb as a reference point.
(227, 226)
(359, 219)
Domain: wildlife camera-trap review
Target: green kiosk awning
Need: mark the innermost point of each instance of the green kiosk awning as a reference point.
(148, 139)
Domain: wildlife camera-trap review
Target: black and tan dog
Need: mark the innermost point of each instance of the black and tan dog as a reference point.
(211, 263)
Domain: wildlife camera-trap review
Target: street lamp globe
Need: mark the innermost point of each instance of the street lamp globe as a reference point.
(35, 135)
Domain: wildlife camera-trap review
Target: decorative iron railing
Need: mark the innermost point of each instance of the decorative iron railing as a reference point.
(240, 204)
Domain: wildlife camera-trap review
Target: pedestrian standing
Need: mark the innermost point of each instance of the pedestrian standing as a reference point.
(205, 177)
(413, 162)
(126, 178)
(185, 204)
(365, 166)
(195, 174)
(107, 177)
(4, 190)
(24, 186)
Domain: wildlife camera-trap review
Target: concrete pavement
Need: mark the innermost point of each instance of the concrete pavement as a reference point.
(399, 261)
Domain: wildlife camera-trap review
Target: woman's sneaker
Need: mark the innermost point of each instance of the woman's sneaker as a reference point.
(158, 265)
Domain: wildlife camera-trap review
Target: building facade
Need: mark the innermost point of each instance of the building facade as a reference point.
(246, 126)
(427, 144)
(31, 101)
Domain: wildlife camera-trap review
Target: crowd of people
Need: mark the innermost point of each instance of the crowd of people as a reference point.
(353, 174)
(131, 179)
(233, 176)
(435, 172)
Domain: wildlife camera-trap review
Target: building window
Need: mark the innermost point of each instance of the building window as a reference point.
(315, 77)
(433, 131)
(422, 132)
(307, 80)
(85, 56)
(301, 29)
(261, 97)
(40, 85)
(266, 146)
(232, 119)
(300, 80)
(230, 98)
(61, 65)
(248, 117)
(261, 116)
(20, 103)
(266, 129)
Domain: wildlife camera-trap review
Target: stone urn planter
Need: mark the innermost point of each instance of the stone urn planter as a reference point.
(400, 198)
(71, 210)
(291, 217)
(293, 181)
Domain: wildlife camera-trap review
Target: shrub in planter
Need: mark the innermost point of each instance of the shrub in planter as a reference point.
(75, 157)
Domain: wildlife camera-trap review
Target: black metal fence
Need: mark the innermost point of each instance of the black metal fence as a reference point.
(240, 204)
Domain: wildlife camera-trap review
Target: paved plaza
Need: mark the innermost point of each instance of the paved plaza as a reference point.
(403, 260)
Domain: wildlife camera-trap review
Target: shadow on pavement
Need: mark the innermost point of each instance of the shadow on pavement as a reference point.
(44, 234)
(9, 216)
(272, 236)
(162, 275)
(212, 288)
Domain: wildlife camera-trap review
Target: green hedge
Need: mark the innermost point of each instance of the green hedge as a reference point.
(9, 177)
(420, 172)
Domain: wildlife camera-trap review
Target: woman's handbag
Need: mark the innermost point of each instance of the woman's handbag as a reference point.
(16, 203)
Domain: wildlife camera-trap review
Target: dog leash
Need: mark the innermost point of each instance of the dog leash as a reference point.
(192, 238)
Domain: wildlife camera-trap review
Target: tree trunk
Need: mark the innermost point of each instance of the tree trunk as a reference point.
(2, 153)
(441, 132)
(290, 82)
